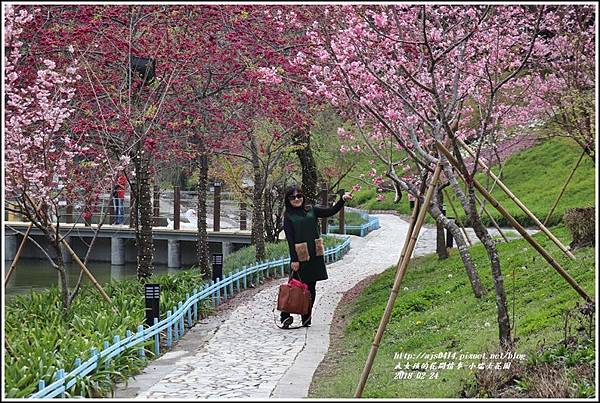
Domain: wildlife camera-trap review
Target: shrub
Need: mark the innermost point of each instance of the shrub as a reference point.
(580, 222)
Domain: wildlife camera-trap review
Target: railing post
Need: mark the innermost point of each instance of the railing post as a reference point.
(94, 354)
(213, 295)
(156, 204)
(218, 291)
(117, 340)
(61, 375)
(156, 340)
(181, 326)
(189, 311)
(169, 330)
(175, 324)
(225, 288)
(259, 273)
(217, 206)
(41, 385)
(244, 269)
(195, 305)
(105, 346)
(176, 207)
(141, 333)
(243, 216)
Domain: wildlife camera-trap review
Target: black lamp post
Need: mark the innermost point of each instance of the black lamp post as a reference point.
(145, 67)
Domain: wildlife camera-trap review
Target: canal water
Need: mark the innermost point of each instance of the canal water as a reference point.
(37, 274)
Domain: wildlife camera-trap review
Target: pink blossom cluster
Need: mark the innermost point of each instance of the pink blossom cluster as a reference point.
(46, 162)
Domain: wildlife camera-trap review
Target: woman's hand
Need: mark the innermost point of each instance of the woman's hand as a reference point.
(295, 266)
(347, 196)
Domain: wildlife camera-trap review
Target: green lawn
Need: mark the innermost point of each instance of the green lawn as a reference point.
(535, 176)
(438, 312)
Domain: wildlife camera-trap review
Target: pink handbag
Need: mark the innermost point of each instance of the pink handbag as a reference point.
(297, 283)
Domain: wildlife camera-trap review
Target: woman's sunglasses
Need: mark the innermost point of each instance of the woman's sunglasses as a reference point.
(298, 196)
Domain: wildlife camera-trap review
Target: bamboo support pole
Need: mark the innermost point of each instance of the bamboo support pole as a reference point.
(518, 202)
(519, 228)
(13, 266)
(564, 187)
(80, 263)
(494, 223)
(87, 272)
(400, 270)
(460, 224)
(491, 189)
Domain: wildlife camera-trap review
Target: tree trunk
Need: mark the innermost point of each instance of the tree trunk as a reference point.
(62, 273)
(144, 219)
(506, 343)
(470, 208)
(441, 250)
(270, 224)
(258, 219)
(309, 167)
(463, 249)
(202, 250)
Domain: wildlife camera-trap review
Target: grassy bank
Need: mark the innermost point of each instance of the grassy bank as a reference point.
(437, 312)
(535, 176)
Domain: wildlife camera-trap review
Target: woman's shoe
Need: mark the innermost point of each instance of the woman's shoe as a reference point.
(287, 322)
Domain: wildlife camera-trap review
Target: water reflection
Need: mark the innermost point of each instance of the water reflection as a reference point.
(36, 274)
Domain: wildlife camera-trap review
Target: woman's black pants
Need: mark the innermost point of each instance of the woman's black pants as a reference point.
(313, 292)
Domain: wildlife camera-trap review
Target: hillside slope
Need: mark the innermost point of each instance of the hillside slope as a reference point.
(535, 176)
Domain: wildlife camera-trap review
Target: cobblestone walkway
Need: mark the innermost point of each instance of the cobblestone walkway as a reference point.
(244, 355)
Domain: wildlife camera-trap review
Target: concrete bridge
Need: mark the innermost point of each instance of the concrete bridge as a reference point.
(116, 243)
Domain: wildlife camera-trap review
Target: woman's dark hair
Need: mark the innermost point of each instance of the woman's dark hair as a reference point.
(290, 191)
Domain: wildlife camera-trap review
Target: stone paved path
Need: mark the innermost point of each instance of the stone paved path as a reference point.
(244, 355)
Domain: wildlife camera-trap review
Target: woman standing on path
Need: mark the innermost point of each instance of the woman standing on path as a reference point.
(305, 243)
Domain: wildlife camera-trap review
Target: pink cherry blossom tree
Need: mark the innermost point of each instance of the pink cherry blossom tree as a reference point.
(419, 74)
(46, 162)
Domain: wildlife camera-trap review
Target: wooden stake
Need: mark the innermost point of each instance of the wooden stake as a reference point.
(519, 203)
(408, 249)
(87, 272)
(491, 189)
(564, 187)
(13, 266)
(494, 223)
(519, 228)
(457, 219)
(85, 269)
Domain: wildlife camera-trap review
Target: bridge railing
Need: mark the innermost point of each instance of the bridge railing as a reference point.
(172, 208)
(182, 316)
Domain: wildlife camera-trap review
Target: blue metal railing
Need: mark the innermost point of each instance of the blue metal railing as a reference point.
(174, 321)
(362, 230)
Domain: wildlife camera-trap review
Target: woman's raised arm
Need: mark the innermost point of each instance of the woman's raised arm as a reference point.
(329, 211)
